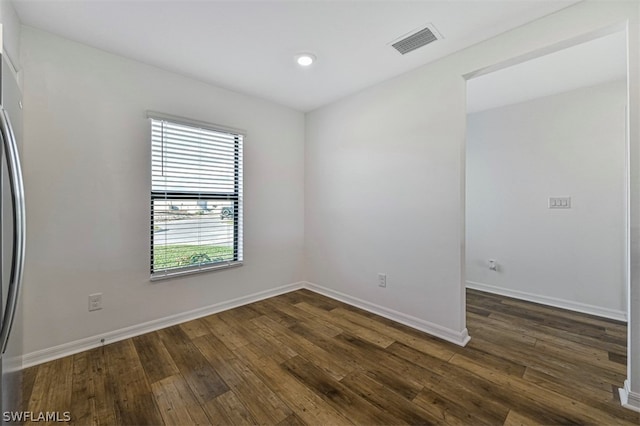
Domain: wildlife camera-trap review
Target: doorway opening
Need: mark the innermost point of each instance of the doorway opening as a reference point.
(547, 178)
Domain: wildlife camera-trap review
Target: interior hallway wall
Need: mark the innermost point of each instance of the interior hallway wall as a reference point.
(569, 144)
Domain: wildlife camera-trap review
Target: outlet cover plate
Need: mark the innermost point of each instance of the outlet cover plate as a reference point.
(95, 302)
(382, 280)
(560, 202)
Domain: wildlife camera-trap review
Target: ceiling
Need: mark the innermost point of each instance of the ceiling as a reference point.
(587, 64)
(249, 47)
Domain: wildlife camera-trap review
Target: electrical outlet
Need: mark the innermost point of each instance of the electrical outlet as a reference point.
(95, 302)
(382, 280)
(493, 265)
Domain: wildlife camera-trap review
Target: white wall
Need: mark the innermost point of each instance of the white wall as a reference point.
(10, 32)
(87, 177)
(569, 144)
(384, 173)
(382, 196)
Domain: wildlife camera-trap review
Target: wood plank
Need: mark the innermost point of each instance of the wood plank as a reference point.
(243, 326)
(617, 331)
(266, 343)
(601, 400)
(216, 413)
(292, 420)
(561, 313)
(101, 398)
(28, 380)
(620, 359)
(537, 401)
(319, 324)
(410, 354)
(195, 328)
(553, 363)
(516, 419)
(404, 378)
(355, 329)
(549, 365)
(467, 393)
(305, 403)
(559, 339)
(258, 398)
(535, 329)
(292, 297)
(394, 334)
(127, 383)
(226, 333)
(270, 310)
(234, 410)
(478, 311)
(176, 402)
(335, 393)
(265, 406)
(446, 410)
(52, 388)
(568, 324)
(154, 357)
(501, 337)
(465, 401)
(496, 361)
(385, 399)
(203, 380)
(594, 359)
(319, 301)
(273, 349)
(244, 313)
(317, 354)
(566, 386)
(329, 344)
(401, 377)
(82, 408)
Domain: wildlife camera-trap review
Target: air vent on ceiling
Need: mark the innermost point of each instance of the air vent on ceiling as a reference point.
(416, 39)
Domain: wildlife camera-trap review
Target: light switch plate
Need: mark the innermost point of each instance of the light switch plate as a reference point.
(559, 202)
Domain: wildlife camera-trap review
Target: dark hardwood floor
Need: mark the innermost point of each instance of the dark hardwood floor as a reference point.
(301, 358)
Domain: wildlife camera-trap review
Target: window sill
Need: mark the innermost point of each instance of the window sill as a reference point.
(193, 270)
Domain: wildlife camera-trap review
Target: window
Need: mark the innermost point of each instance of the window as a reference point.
(196, 197)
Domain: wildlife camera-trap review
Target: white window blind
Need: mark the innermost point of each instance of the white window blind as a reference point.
(196, 198)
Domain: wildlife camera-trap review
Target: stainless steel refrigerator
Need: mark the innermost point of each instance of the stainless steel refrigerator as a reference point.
(12, 247)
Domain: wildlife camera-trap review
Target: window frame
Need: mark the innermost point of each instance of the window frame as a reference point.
(236, 198)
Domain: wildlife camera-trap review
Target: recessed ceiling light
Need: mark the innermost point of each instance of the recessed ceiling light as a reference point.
(305, 59)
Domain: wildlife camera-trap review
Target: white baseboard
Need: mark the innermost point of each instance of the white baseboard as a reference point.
(629, 399)
(65, 349)
(551, 301)
(460, 338)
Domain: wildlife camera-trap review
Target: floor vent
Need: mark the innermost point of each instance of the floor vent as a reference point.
(416, 39)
